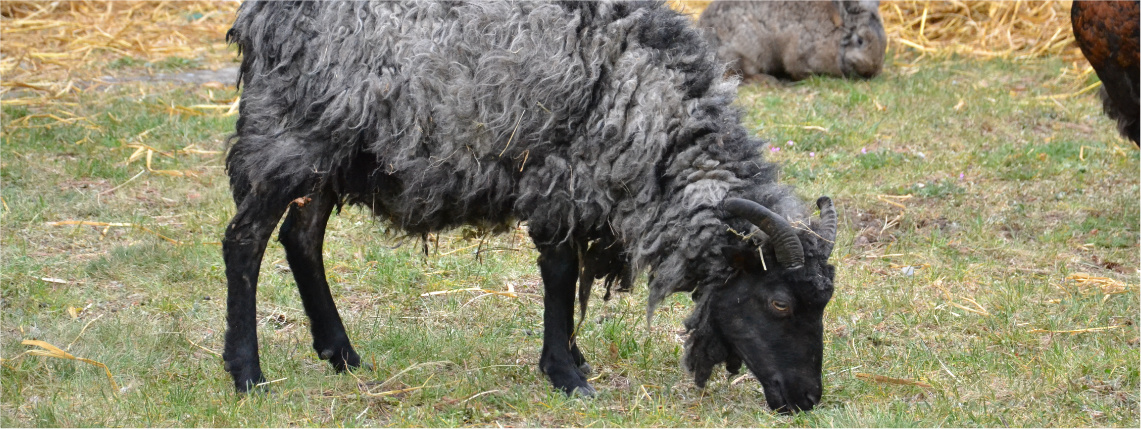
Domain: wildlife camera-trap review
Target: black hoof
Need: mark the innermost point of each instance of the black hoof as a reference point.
(246, 376)
(343, 359)
(584, 391)
(247, 384)
(571, 382)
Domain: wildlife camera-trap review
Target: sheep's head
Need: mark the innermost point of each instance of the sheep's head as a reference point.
(864, 43)
(768, 315)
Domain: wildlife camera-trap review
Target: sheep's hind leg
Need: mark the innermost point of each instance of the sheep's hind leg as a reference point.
(303, 236)
(242, 250)
(559, 267)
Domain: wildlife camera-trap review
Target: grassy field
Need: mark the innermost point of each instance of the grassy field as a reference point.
(987, 274)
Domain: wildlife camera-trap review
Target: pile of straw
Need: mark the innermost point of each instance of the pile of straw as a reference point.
(977, 29)
(981, 29)
(691, 7)
(54, 48)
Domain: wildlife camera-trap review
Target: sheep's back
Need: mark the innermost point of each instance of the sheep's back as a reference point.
(455, 97)
(470, 71)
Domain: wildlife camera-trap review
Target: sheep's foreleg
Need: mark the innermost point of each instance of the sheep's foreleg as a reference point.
(560, 359)
(303, 235)
(242, 250)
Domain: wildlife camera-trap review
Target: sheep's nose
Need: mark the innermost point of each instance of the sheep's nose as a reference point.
(813, 398)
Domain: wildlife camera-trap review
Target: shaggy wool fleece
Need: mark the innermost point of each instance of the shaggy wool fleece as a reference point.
(587, 120)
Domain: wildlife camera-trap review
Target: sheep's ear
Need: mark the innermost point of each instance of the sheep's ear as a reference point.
(703, 351)
(739, 258)
(839, 13)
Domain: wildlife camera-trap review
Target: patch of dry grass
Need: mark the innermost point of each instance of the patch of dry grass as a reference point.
(60, 47)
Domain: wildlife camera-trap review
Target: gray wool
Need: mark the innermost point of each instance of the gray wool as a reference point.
(584, 119)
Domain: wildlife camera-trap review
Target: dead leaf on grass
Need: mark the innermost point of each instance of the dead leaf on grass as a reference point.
(48, 350)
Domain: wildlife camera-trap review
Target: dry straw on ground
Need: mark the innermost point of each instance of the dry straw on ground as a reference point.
(983, 29)
(54, 48)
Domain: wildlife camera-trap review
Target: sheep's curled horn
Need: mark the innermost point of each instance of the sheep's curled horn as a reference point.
(827, 228)
(786, 244)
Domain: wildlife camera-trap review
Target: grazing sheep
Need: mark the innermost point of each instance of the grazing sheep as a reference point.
(797, 39)
(607, 127)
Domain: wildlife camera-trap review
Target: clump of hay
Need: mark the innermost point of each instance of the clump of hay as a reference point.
(981, 29)
(692, 8)
(54, 48)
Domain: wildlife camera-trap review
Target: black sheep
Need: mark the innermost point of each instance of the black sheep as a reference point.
(604, 123)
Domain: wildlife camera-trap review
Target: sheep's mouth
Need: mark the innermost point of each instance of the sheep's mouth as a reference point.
(773, 396)
(776, 395)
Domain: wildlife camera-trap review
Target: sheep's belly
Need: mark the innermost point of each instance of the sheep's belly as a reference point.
(428, 197)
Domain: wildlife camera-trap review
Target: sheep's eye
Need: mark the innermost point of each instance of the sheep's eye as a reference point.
(780, 306)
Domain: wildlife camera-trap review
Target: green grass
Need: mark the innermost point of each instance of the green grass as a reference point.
(170, 64)
(955, 169)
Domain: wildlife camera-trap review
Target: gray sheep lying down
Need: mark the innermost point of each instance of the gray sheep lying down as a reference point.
(607, 127)
(797, 39)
